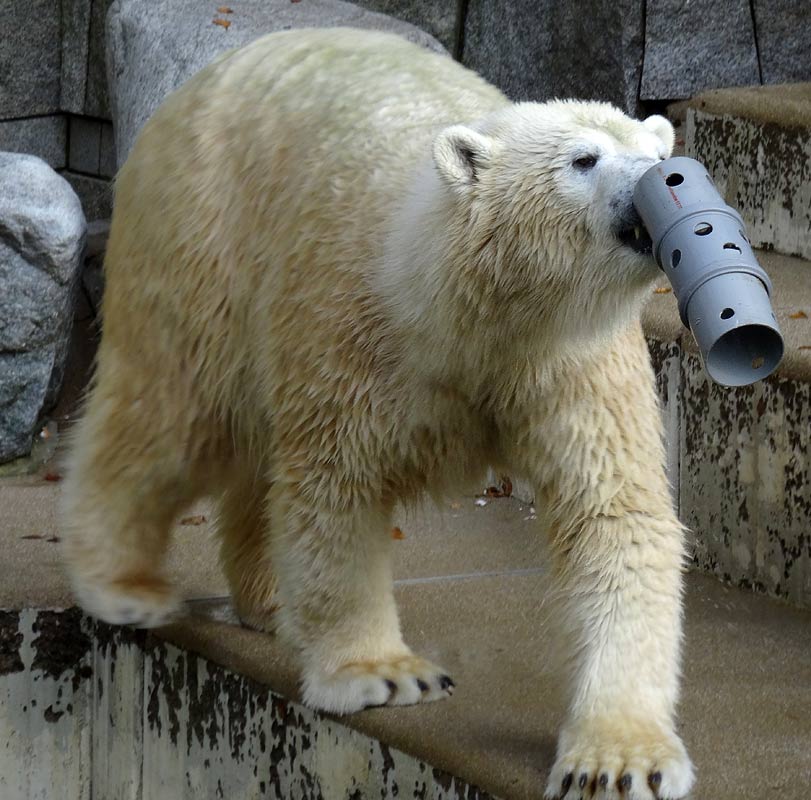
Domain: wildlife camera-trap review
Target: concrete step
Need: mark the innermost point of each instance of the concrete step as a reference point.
(738, 459)
(756, 144)
(207, 709)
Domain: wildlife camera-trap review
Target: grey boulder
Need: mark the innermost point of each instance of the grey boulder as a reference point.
(42, 234)
(152, 50)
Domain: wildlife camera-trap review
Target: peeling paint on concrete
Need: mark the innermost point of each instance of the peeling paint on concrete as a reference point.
(45, 706)
(10, 642)
(213, 733)
(745, 481)
(61, 644)
(117, 714)
(762, 169)
(666, 361)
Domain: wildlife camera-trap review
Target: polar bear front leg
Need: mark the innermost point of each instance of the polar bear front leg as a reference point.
(337, 607)
(595, 452)
(619, 585)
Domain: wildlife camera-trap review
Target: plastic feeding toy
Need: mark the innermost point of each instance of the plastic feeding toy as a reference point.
(723, 293)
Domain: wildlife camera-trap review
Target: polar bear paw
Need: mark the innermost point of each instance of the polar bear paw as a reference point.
(140, 602)
(400, 681)
(624, 759)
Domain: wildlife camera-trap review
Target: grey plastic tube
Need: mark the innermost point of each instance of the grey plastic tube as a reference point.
(723, 293)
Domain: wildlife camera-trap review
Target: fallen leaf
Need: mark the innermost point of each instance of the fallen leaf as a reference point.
(504, 490)
(662, 290)
(396, 533)
(798, 315)
(223, 23)
(804, 347)
(225, 10)
(33, 536)
(52, 477)
(196, 519)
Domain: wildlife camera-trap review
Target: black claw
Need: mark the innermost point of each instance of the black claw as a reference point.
(625, 782)
(423, 686)
(445, 682)
(583, 780)
(565, 784)
(392, 686)
(604, 780)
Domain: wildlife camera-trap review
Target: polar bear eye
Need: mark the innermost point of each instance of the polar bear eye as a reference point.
(585, 162)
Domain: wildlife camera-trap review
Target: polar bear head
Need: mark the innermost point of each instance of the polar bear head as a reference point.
(542, 199)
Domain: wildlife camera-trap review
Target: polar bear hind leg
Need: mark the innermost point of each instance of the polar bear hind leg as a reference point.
(132, 471)
(244, 533)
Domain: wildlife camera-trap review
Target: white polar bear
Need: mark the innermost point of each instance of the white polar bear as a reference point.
(319, 247)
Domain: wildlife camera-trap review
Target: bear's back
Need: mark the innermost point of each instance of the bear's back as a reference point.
(256, 200)
(330, 121)
(303, 138)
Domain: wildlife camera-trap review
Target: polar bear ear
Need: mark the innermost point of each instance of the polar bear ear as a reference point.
(460, 153)
(661, 127)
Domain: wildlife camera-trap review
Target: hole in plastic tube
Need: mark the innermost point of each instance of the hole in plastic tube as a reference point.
(675, 258)
(674, 179)
(757, 362)
(702, 229)
(727, 313)
(732, 246)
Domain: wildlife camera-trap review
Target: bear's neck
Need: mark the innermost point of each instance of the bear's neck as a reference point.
(453, 319)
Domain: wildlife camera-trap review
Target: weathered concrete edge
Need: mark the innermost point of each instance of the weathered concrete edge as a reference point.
(737, 462)
(738, 150)
(113, 712)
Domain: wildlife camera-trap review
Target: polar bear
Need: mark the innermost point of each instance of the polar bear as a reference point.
(320, 246)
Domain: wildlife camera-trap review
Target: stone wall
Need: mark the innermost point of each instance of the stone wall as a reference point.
(53, 88)
(53, 92)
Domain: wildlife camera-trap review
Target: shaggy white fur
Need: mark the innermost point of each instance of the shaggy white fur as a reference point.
(344, 272)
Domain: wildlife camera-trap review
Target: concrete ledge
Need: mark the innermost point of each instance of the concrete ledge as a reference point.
(87, 710)
(738, 458)
(470, 583)
(208, 709)
(756, 144)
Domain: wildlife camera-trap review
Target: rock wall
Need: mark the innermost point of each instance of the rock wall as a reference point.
(54, 98)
